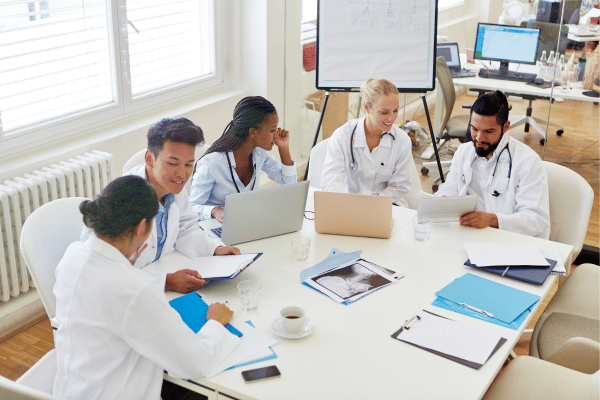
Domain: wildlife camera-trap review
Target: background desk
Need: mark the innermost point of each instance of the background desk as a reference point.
(517, 88)
(350, 354)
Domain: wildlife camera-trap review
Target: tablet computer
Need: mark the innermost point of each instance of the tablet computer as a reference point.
(446, 209)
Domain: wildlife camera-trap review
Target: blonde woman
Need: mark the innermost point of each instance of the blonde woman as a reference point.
(370, 155)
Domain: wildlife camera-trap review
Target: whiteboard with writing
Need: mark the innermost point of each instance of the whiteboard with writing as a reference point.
(360, 39)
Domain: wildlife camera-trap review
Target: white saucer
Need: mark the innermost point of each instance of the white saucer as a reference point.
(277, 327)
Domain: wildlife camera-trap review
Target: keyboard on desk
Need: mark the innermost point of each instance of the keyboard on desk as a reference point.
(218, 231)
(506, 75)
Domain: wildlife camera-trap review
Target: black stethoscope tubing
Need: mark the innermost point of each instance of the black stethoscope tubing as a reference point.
(233, 178)
(353, 164)
(495, 192)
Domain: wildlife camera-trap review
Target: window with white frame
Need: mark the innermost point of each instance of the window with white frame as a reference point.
(67, 60)
(442, 4)
(309, 21)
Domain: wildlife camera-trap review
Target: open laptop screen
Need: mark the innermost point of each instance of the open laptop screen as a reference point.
(450, 53)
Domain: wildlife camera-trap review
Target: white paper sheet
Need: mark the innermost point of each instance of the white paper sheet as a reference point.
(494, 254)
(253, 341)
(559, 268)
(451, 337)
(219, 266)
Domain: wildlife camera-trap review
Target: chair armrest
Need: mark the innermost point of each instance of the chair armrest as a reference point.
(579, 354)
(467, 105)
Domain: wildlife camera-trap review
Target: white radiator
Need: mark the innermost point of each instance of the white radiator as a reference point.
(82, 176)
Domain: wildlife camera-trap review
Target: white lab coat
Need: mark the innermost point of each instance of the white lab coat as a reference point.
(117, 333)
(212, 182)
(183, 232)
(524, 206)
(385, 171)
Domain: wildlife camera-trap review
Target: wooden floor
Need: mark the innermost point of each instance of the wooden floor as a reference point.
(578, 148)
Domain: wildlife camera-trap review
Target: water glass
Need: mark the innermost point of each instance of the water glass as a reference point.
(300, 247)
(422, 228)
(249, 295)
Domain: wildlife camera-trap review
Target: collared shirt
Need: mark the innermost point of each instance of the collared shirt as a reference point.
(385, 171)
(522, 205)
(161, 220)
(212, 181)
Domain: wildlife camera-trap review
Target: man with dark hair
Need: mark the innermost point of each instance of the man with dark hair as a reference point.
(169, 162)
(506, 175)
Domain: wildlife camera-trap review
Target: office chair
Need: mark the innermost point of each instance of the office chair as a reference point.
(527, 378)
(317, 160)
(550, 34)
(40, 377)
(571, 201)
(45, 236)
(568, 331)
(138, 158)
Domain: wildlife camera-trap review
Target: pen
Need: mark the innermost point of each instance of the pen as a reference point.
(505, 271)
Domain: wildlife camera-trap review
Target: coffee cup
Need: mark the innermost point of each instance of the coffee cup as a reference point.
(293, 319)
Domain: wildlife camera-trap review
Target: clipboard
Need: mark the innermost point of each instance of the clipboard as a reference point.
(222, 267)
(192, 309)
(467, 363)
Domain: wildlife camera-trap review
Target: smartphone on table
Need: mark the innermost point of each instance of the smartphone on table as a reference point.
(259, 374)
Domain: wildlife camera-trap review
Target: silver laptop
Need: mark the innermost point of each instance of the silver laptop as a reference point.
(446, 209)
(259, 214)
(450, 53)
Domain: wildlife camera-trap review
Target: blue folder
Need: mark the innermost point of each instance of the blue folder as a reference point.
(193, 309)
(531, 274)
(509, 306)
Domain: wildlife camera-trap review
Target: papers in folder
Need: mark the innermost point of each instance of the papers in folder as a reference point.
(507, 254)
(487, 300)
(222, 267)
(458, 342)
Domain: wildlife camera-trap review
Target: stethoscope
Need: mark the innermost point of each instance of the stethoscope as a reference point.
(495, 193)
(233, 178)
(353, 164)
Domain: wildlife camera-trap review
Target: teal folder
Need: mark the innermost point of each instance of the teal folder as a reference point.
(193, 309)
(509, 307)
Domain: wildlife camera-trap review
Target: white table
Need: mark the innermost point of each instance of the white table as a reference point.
(585, 38)
(350, 354)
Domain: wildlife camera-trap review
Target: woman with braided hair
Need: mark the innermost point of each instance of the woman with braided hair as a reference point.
(234, 161)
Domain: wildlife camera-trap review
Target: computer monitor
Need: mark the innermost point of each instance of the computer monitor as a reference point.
(506, 43)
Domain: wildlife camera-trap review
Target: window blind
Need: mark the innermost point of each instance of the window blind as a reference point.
(55, 60)
(309, 21)
(170, 42)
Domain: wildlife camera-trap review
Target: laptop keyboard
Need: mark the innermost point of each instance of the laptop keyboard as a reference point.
(217, 231)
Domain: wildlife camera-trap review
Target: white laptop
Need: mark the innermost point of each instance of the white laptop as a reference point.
(353, 214)
(446, 209)
(259, 214)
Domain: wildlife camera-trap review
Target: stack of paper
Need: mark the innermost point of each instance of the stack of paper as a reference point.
(524, 262)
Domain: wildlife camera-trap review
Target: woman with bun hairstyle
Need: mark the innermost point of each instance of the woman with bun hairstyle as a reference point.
(234, 161)
(116, 331)
(371, 155)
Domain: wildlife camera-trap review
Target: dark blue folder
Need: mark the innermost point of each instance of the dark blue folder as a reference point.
(193, 311)
(531, 274)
